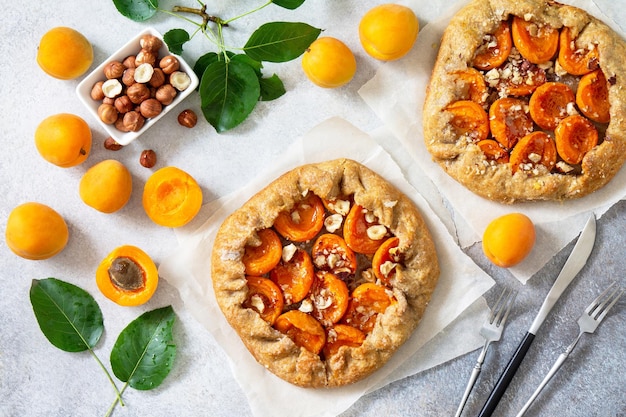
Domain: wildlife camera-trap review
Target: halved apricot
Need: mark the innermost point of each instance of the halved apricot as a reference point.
(368, 300)
(304, 221)
(509, 121)
(330, 252)
(303, 329)
(362, 232)
(469, 119)
(533, 150)
(549, 104)
(475, 84)
(537, 43)
(342, 335)
(574, 59)
(493, 151)
(294, 276)
(259, 260)
(265, 298)
(495, 50)
(330, 298)
(386, 259)
(575, 136)
(592, 96)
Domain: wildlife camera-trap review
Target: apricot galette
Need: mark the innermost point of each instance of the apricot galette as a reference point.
(324, 273)
(527, 101)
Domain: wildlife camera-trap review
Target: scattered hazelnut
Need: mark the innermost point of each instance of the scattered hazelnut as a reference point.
(166, 94)
(133, 121)
(180, 80)
(150, 42)
(123, 104)
(128, 78)
(129, 61)
(146, 57)
(96, 91)
(112, 88)
(148, 158)
(158, 78)
(138, 92)
(169, 64)
(150, 108)
(187, 118)
(114, 69)
(107, 113)
(111, 144)
(143, 73)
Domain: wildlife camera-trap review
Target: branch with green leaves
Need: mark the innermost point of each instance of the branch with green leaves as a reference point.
(231, 84)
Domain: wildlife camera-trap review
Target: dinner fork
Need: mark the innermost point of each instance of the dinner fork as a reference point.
(588, 322)
(491, 332)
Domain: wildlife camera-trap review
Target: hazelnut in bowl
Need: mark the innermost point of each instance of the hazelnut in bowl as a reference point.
(136, 86)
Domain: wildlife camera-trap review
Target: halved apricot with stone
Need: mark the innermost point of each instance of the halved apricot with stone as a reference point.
(532, 151)
(330, 298)
(551, 103)
(469, 119)
(331, 253)
(495, 50)
(362, 231)
(386, 259)
(303, 329)
(493, 151)
(294, 275)
(592, 97)
(574, 137)
(342, 335)
(260, 259)
(473, 84)
(576, 59)
(509, 121)
(536, 42)
(264, 297)
(303, 221)
(368, 300)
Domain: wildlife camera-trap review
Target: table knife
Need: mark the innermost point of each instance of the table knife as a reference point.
(573, 265)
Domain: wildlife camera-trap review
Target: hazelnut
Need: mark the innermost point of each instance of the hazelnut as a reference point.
(133, 121)
(169, 64)
(158, 78)
(123, 104)
(187, 118)
(138, 92)
(111, 144)
(150, 108)
(129, 61)
(128, 78)
(96, 91)
(119, 123)
(143, 73)
(109, 100)
(150, 43)
(166, 94)
(146, 57)
(114, 69)
(148, 158)
(107, 113)
(112, 88)
(180, 80)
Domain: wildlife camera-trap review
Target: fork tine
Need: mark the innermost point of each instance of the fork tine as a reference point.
(613, 298)
(496, 307)
(595, 307)
(503, 307)
(510, 302)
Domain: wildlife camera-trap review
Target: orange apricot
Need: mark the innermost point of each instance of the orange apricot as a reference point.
(63, 139)
(550, 104)
(294, 276)
(592, 96)
(469, 119)
(508, 239)
(493, 151)
(496, 50)
(388, 31)
(106, 186)
(330, 252)
(509, 121)
(329, 63)
(537, 43)
(171, 197)
(264, 297)
(64, 53)
(259, 260)
(330, 298)
(368, 300)
(533, 150)
(574, 59)
(362, 232)
(342, 335)
(385, 260)
(303, 329)
(303, 221)
(574, 137)
(475, 84)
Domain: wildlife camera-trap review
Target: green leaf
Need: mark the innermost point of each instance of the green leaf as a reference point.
(68, 316)
(271, 88)
(228, 92)
(288, 4)
(144, 352)
(280, 41)
(175, 39)
(203, 62)
(137, 10)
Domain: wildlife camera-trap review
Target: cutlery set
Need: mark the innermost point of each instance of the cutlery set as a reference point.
(588, 322)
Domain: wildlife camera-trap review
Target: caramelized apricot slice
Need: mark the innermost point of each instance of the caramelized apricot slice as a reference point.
(495, 50)
(592, 96)
(362, 232)
(575, 136)
(550, 104)
(493, 151)
(259, 260)
(303, 329)
(294, 276)
(330, 252)
(265, 298)
(573, 59)
(469, 119)
(536, 42)
(386, 259)
(330, 298)
(304, 221)
(342, 335)
(509, 121)
(475, 84)
(533, 150)
(368, 300)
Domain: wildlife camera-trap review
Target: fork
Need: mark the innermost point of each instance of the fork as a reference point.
(588, 322)
(491, 332)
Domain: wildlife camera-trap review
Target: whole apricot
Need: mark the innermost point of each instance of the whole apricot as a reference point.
(63, 139)
(35, 231)
(388, 31)
(329, 63)
(508, 239)
(106, 186)
(64, 53)
(171, 197)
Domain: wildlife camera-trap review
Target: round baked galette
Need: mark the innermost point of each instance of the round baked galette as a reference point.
(527, 101)
(324, 273)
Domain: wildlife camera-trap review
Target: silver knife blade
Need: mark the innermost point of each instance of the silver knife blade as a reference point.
(573, 265)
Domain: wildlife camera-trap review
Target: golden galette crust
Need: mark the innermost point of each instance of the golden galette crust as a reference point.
(412, 287)
(465, 162)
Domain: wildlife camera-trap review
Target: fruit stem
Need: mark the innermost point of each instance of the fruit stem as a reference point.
(206, 18)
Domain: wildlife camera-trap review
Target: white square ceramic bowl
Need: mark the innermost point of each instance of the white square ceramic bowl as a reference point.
(131, 48)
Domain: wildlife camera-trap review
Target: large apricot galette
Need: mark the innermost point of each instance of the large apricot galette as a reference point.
(527, 101)
(324, 273)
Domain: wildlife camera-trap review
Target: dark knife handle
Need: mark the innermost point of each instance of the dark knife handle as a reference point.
(507, 376)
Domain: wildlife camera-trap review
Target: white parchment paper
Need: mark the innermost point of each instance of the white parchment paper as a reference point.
(396, 94)
(456, 305)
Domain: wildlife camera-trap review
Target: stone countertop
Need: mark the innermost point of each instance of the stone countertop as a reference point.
(37, 379)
